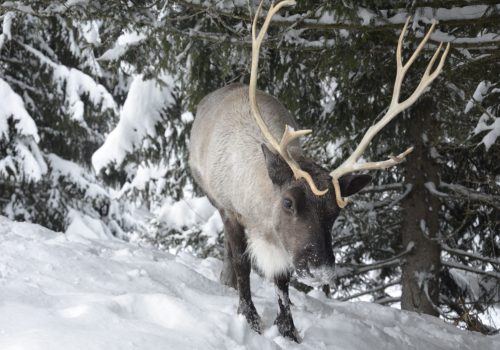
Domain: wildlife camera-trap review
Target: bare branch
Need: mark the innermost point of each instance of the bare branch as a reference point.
(471, 194)
(383, 188)
(388, 300)
(470, 255)
(454, 265)
(360, 269)
(370, 291)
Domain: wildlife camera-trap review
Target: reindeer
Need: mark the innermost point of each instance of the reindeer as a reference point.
(278, 206)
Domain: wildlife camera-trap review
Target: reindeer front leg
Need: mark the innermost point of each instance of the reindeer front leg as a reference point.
(235, 235)
(228, 275)
(284, 321)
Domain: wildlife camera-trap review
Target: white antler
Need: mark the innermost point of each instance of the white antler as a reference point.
(351, 165)
(289, 134)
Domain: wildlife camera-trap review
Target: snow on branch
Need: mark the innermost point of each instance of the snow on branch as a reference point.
(6, 25)
(460, 191)
(25, 161)
(489, 123)
(470, 255)
(389, 202)
(53, 7)
(478, 96)
(431, 187)
(296, 42)
(12, 106)
(75, 174)
(330, 20)
(141, 112)
(454, 265)
(471, 194)
(123, 43)
(76, 84)
(325, 20)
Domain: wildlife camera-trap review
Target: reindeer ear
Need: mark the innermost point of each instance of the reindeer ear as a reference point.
(351, 184)
(279, 172)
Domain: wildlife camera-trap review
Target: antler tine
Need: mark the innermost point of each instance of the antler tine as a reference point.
(350, 165)
(289, 134)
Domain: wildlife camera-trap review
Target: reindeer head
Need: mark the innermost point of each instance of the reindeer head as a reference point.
(302, 220)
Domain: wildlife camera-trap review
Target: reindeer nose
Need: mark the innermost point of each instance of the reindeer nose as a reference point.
(314, 257)
(320, 255)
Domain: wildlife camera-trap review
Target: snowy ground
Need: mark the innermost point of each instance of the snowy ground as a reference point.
(68, 292)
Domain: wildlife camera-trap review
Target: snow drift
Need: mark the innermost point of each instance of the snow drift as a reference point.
(71, 292)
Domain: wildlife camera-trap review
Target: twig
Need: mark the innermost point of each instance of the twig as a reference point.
(372, 290)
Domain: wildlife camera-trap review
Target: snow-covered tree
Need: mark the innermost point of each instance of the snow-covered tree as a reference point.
(54, 115)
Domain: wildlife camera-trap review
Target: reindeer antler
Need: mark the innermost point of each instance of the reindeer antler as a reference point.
(289, 134)
(351, 165)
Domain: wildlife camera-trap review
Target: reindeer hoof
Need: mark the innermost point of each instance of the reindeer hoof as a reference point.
(287, 328)
(250, 313)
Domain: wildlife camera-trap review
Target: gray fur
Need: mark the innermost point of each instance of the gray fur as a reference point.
(226, 156)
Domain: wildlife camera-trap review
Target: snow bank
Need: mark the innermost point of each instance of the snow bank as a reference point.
(83, 227)
(62, 293)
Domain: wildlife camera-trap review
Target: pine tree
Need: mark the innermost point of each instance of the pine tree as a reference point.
(57, 114)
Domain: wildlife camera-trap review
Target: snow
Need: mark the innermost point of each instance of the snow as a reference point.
(144, 175)
(6, 26)
(123, 43)
(12, 106)
(75, 292)
(431, 187)
(31, 161)
(27, 154)
(78, 84)
(141, 111)
(490, 124)
(75, 174)
(445, 14)
(84, 227)
(479, 94)
(73, 84)
(492, 38)
(191, 212)
(90, 31)
(366, 16)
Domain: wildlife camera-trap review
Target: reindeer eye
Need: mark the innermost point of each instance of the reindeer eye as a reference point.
(287, 204)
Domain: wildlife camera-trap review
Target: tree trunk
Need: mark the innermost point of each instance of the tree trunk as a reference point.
(420, 280)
